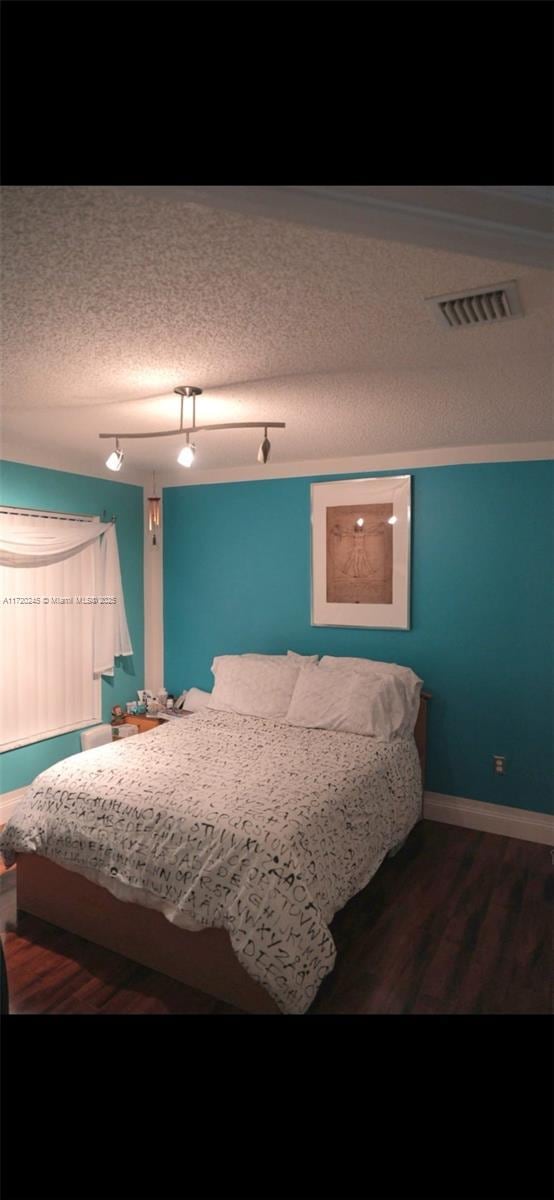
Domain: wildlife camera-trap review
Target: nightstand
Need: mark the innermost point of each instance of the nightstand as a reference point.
(143, 723)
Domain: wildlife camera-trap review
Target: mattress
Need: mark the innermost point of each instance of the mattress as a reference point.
(251, 825)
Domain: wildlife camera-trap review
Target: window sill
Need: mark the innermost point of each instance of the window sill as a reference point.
(49, 733)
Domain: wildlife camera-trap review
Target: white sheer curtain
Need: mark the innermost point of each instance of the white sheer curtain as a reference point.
(56, 635)
(33, 541)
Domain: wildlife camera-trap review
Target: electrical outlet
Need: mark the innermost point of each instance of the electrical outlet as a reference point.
(499, 764)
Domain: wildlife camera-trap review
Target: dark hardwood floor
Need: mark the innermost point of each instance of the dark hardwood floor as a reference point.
(457, 922)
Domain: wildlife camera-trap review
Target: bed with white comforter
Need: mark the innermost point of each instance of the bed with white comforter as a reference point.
(252, 825)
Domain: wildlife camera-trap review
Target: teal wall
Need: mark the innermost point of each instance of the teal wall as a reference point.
(36, 487)
(237, 578)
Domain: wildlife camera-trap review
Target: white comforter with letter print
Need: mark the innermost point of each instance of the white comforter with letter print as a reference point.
(252, 825)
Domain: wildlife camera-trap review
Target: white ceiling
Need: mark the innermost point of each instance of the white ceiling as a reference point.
(112, 297)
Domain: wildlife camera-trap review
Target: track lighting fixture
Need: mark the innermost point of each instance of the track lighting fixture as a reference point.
(186, 455)
(265, 447)
(115, 459)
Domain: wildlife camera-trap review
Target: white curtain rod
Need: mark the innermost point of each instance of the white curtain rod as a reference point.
(9, 510)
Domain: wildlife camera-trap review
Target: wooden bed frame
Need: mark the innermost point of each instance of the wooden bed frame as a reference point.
(203, 960)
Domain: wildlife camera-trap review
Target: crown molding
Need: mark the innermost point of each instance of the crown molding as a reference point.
(55, 459)
(541, 196)
(510, 224)
(444, 456)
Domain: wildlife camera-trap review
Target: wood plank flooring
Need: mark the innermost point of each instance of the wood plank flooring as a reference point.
(457, 922)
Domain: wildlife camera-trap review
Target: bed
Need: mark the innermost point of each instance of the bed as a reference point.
(217, 849)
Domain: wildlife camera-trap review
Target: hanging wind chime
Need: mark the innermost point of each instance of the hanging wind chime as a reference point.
(153, 512)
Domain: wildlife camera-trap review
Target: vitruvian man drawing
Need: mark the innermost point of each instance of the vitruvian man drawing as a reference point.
(359, 554)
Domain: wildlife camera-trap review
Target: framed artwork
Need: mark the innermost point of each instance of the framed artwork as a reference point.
(361, 552)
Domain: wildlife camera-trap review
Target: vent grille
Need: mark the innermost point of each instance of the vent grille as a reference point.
(482, 306)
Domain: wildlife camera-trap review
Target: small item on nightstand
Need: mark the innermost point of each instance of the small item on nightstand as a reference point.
(127, 729)
(118, 716)
(170, 702)
(131, 707)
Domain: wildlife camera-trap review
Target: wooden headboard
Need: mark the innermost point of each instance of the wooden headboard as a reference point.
(420, 732)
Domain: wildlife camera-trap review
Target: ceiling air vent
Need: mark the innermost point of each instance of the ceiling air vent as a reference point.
(481, 306)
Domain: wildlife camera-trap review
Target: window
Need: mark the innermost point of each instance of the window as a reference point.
(46, 640)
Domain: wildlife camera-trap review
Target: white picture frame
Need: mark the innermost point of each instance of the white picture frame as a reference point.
(361, 563)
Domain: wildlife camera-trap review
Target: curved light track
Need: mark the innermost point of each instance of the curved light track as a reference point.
(193, 392)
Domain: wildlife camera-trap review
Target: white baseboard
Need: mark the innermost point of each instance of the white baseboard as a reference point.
(9, 802)
(490, 818)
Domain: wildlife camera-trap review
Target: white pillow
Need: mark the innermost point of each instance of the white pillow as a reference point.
(373, 665)
(257, 687)
(269, 657)
(196, 699)
(410, 681)
(350, 701)
(291, 654)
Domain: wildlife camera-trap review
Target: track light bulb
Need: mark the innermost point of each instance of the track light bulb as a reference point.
(186, 455)
(265, 447)
(115, 459)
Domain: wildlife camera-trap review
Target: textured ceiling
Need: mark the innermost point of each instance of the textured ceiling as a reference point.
(111, 298)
